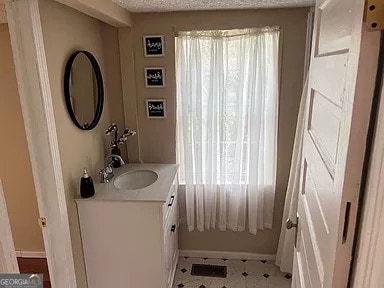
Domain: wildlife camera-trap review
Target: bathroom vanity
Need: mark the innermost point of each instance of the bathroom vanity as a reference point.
(129, 230)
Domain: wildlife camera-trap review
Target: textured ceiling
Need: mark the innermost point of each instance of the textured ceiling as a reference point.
(187, 5)
(3, 17)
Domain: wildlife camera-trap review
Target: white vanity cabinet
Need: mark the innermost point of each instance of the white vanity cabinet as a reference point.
(130, 244)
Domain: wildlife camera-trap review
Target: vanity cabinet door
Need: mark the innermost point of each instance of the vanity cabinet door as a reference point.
(171, 244)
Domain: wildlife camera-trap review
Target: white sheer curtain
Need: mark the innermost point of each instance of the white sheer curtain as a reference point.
(227, 94)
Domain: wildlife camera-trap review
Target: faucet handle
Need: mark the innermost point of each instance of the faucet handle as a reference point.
(108, 169)
(103, 172)
(106, 174)
(103, 175)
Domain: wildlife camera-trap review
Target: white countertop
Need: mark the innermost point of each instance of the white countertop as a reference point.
(156, 192)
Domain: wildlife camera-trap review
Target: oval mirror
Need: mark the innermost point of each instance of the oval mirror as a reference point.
(83, 90)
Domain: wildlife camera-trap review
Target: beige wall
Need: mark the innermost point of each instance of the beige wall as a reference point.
(112, 77)
(66, 30)
(157, 137)
(15, 166)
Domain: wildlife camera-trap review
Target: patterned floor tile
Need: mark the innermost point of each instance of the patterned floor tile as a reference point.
(235, 266)
(241, 273)
(235, 281)
(212, 261)
(257, 268)
(279, 282)
(213, 282)
(253, 281)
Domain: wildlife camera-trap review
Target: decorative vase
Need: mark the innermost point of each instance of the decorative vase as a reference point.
(115, 162)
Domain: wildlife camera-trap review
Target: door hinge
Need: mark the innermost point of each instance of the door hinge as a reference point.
(42, 222)
(374, 14)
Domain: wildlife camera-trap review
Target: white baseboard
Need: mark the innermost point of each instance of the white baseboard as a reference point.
(31, 254)
(227, 255)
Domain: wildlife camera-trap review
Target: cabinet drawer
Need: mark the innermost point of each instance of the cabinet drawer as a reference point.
(171, 201)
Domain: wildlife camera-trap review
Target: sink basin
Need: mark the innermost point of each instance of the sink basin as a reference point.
(134, 180)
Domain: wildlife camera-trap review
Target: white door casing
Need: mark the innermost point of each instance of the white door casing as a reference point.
(8, 260)
(36, 103)
(370, 248)
(341, 85)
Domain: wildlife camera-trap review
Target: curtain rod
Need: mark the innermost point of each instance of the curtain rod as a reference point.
(226, 32)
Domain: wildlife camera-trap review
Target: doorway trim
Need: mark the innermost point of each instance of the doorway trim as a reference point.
(36, 102)
(8, 260)
(370, 240)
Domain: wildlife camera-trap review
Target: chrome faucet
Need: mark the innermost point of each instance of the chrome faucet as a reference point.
(107, 172)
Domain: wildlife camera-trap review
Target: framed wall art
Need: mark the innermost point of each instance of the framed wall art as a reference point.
(153, 45)
(154, 77)
(156, 108)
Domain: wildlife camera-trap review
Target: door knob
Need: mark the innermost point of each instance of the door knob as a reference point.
(289, 225)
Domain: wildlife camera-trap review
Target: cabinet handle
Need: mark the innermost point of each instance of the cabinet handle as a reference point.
(172, 199)
(173, 228)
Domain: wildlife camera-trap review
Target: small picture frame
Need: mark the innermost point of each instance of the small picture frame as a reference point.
(156, 108)
(153, 45)
(154, 77)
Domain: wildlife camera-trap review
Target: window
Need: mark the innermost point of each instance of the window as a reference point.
(227, 93)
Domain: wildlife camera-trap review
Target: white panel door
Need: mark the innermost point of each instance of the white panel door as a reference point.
(26, 33)
(341, 82)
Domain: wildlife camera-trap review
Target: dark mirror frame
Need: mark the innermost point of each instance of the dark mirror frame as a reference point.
(100, 90)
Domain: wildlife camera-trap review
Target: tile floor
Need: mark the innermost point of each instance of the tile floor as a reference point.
(240, 274)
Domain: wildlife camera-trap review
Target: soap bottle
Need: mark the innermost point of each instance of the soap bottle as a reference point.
(86, 185)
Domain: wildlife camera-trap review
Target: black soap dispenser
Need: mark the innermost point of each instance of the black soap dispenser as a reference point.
(86, 185)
